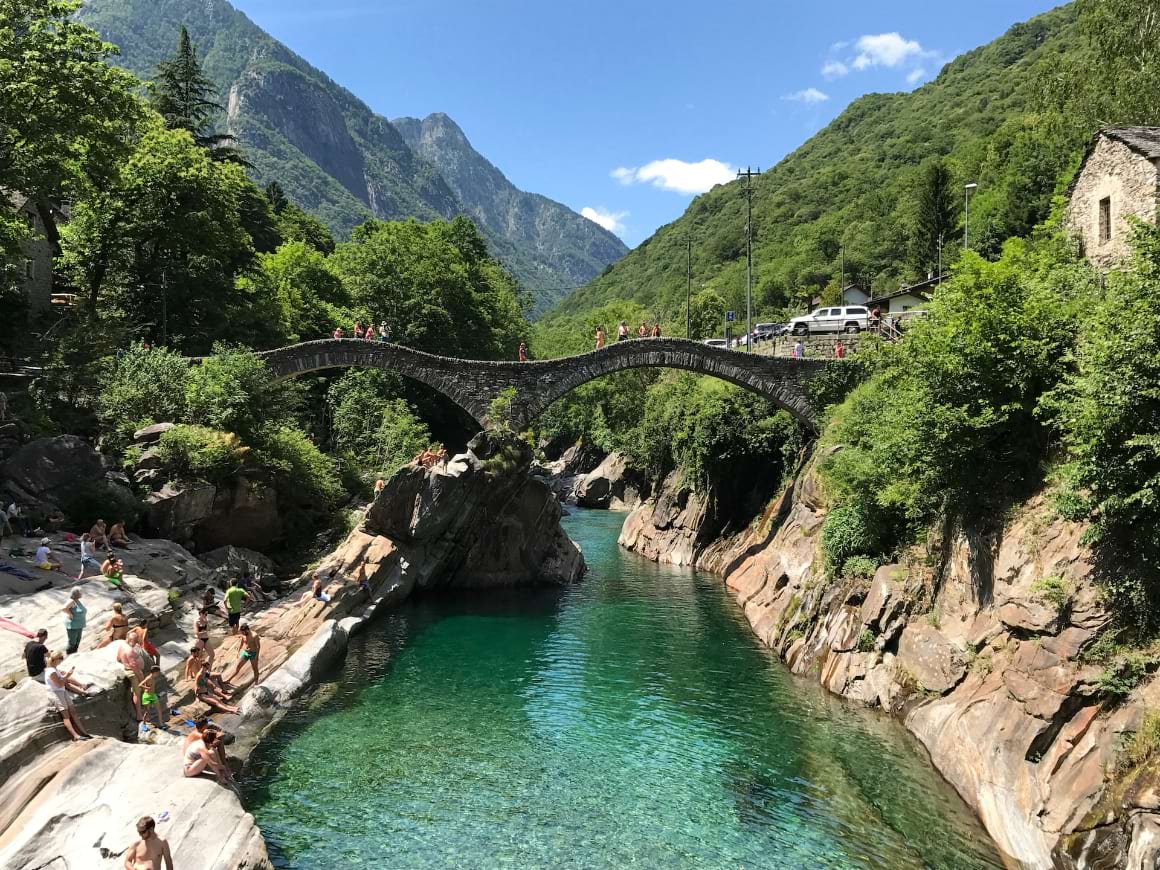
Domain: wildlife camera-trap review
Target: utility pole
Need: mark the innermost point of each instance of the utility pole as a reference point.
(748, 175)
(842, 280)
(967, 189)
(689, 290)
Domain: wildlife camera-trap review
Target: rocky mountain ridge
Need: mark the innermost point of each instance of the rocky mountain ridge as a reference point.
(340, 160)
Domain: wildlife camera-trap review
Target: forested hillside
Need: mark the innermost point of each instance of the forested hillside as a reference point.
(850, 194)
(330, 153)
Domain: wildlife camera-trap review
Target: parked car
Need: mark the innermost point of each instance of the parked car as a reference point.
(767, 331)
(849, 318)
(717, 342)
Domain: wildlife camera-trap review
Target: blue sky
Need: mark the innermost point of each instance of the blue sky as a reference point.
(630, 108)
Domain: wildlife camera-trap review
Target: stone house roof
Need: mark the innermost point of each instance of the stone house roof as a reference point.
(1145, 141)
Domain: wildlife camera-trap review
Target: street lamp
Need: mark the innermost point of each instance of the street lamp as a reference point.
(967, 213)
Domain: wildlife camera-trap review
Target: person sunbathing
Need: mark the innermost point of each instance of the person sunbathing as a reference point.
(209, 694)
(117, 535)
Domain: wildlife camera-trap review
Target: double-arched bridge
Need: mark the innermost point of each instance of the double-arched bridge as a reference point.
(474, 384)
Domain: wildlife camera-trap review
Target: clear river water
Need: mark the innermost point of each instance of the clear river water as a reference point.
(630, 721)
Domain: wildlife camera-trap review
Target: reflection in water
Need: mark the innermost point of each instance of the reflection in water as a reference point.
(630, 721)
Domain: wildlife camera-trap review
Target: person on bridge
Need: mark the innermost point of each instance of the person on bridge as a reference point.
(369, 335)
(656, 330)
(358, 329)
(839, 350)
(384, 332)
(523, 352)
(337, 332)
(600, 337)
(622, 331)
(642, 330)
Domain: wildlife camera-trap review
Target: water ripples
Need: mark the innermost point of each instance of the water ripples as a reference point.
(632, 721)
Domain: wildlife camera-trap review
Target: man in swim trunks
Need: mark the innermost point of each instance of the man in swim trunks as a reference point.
(150, 695)
(132, 659)
(251, 646)
(150, 851)
(235, 596)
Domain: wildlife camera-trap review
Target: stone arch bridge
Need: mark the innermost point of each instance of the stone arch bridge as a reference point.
(474, 384)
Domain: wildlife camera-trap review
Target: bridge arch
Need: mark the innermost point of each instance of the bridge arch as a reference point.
(474, 384)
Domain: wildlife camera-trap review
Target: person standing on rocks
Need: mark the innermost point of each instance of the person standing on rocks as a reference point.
(150, 851)
(251, 646)
(235, 597)
(132, 659)
(151, 697)
(75, 614)
(36, 655)
(59, 685)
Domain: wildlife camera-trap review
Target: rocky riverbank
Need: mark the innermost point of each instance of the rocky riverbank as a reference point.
(479, 521)
(975, 641)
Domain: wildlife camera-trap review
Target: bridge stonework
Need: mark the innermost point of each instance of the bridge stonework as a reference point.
(475, 384)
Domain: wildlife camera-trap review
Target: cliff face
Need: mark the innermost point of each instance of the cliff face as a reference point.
(975, 643)
(549, 240)
(345, 163)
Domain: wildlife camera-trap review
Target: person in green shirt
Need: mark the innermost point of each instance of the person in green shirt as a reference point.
(235, 596)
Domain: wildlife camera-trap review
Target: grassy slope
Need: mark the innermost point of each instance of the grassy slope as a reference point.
(848, 184)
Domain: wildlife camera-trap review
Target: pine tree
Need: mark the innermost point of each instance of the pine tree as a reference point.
(184, 96)
(936, 216)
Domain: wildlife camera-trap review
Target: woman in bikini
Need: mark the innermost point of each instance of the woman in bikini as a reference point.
(201, 628)
(199, 757)
(207, 694)
(117, 626)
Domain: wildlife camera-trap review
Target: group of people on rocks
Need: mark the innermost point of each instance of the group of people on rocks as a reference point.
(623, 332)
(369, 333)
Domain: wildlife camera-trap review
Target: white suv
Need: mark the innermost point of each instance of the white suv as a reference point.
(850, 318)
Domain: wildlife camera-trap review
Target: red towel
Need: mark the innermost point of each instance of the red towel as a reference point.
(9, 625)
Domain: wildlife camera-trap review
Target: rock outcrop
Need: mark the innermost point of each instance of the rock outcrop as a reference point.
(47, 473)
(975, 642)
(481, 520)
(612, 485)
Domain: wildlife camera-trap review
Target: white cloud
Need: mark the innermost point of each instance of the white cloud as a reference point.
(838, 46)
(916, 75)
(613, 221)
(677, 175)
(834, 69)
(885, 49)
(809, 95)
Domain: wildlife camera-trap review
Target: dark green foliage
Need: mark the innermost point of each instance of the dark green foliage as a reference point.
(88, 502)
(935, 216)
(850, 531)
(199, 453)
(234, 391)
(182, 94)
(294, 224)
(377, 431)
(142, 386)
(947, 424)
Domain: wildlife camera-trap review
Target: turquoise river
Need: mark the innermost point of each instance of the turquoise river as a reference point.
(630, 721)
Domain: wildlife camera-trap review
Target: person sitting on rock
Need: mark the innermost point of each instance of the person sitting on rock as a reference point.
(210, 695)
(44, 559)
(361, 578)
(100, 536)
(117, 535)
(202, 726)
(150, 851)
(54, 520)
(59, 684)
(117, 627)
(113, 570)
(379, 484)
(200, 757)
(317, 593)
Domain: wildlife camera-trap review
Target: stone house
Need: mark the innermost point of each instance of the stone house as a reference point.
(1119, 177)
(34, 268)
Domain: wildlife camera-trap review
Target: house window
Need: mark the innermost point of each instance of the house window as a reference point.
(1105, 219)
